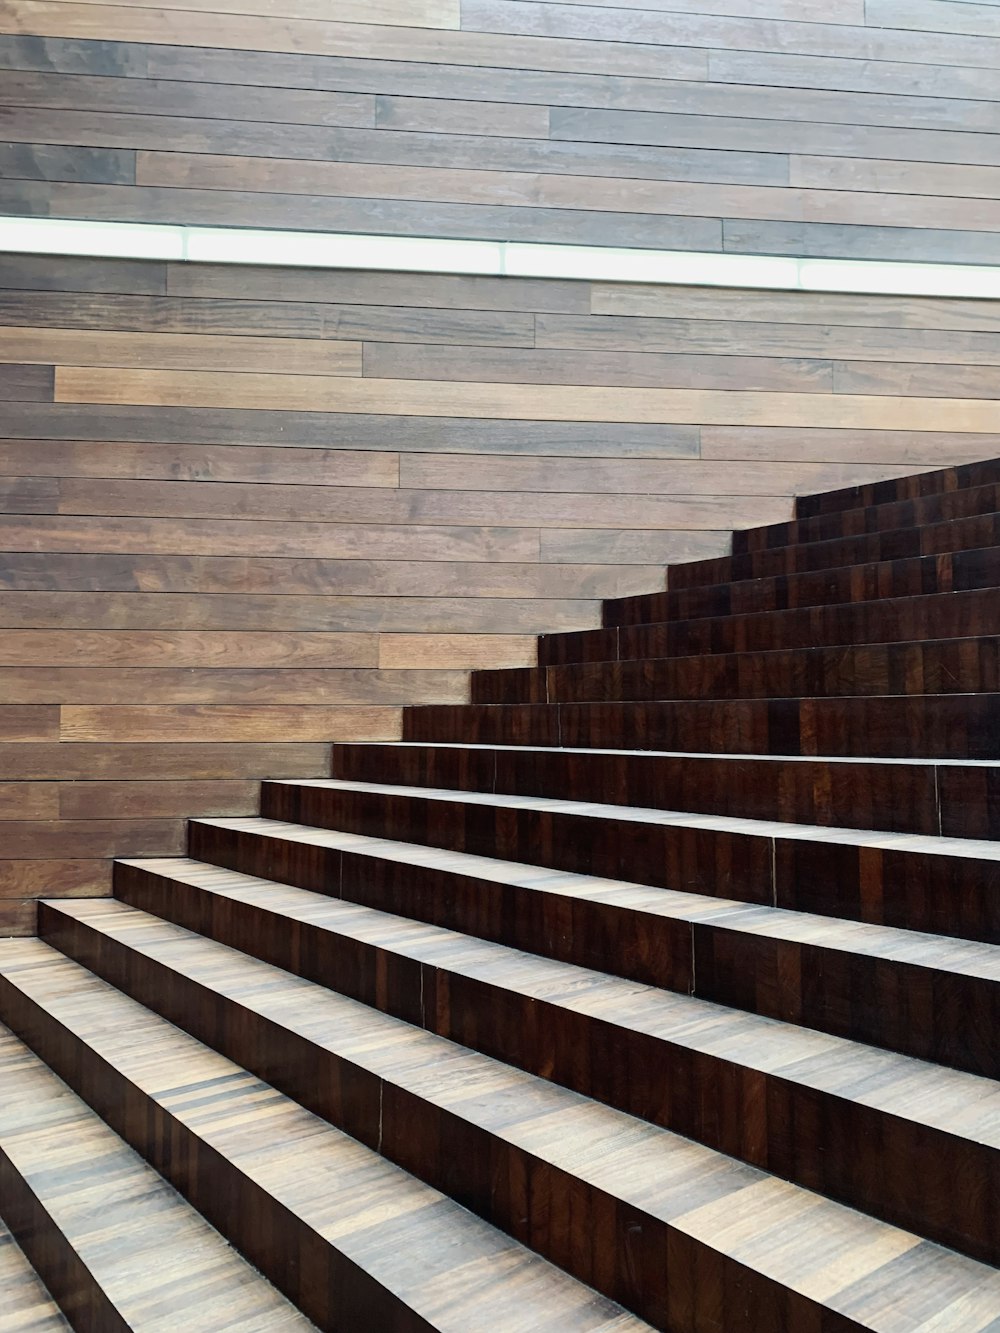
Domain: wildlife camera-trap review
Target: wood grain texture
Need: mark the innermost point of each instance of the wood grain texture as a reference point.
(51, 346)
(718, 128)
(89, 1247)
(29, 1305)
(349, 1252)
(322, 496)
(133, 952)
(225, 722)
(518, 401)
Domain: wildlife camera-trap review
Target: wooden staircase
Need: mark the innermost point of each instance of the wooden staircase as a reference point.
(659, 985)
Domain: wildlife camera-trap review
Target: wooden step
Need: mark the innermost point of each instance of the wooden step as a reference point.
(401, 1090)
(956, 799)
(351, 1238)
(955, 615)
(947, 886)
(975, 531)
(27, 1305)
(923, 995)
(116, 1245)
(917, 576)
(900, 488)
(929, 726)
(920, 511)
(719, 1241)
(936, 666)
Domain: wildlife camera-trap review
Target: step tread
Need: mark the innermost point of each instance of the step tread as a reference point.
(721, 756)
(482, 1090)
(924, 844)
(27, 1305)
(941, 953)
(898, 1085)
(804, 1241)
(158, 1262)
(454, 1270)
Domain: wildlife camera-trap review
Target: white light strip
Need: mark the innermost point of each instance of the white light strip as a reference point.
(303, 249)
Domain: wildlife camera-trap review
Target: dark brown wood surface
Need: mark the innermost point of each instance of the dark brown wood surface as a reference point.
(770, 128)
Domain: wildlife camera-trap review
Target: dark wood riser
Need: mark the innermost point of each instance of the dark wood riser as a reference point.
(955, 615)
(955, 799)
(915, 576)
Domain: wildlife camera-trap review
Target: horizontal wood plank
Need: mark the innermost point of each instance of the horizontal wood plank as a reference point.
(518, 401)
(199, 760)
(52, 346)
(169, 648)
(130, 723)
(234, 686)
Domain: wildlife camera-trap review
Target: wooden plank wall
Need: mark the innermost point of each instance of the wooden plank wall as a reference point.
(866, 128)
(244, 512)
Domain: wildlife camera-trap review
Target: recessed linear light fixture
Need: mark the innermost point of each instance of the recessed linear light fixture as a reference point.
(303, 249)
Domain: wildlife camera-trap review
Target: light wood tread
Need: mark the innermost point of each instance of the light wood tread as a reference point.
(27, 1305)
(808, 1244)
(922, 844)
(157, 1261)
(939, 952)
(942, 1098)
(445, 1264)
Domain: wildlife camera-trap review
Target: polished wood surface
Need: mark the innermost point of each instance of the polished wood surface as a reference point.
(767, 128)
(320, 497)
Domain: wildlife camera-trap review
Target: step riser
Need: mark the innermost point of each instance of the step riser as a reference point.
(53, 1258)
(720, 864)
(764, 1120)
(657, 1259)
(956, 801)
(864, 582)
(652, 950)
(912, 487)
(446, 1151)
(322, 1282)
(939, 894)
(927, 510)
(962, 615)
(505, 1185)
(849, 995)
(958, 726)
(951, 666)
(754, 555)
